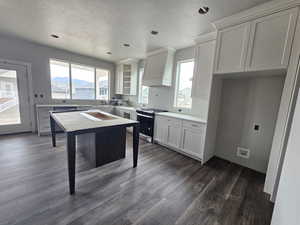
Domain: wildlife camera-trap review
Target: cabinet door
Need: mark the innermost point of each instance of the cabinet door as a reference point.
(231, 49)
(161, 130)
(203, 70)
(174, 135)
(271, 40)
(193, 141)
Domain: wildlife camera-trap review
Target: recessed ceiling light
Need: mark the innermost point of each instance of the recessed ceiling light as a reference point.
(203, 10)
(108, 53)
(54, 36)
(154, 32)
(126, 45)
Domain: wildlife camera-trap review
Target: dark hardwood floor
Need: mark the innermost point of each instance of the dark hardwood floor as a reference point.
(166, 188)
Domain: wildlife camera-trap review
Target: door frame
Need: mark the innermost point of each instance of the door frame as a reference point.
(29, 85)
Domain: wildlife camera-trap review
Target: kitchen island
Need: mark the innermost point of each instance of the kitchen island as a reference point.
(98, 126)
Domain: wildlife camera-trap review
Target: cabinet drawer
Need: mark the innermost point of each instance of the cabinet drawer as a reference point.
(193, 125)
(171, 121)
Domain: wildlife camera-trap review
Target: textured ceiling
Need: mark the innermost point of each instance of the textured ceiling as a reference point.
(94, 27)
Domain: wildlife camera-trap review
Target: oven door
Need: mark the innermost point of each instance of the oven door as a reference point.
(146, 124)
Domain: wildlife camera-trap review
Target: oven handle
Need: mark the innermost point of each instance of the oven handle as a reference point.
(138, 114)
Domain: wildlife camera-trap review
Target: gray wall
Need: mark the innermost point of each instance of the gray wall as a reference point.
(245, 102)
(38, 56)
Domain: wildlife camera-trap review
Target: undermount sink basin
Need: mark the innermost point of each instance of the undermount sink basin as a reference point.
(97, 116)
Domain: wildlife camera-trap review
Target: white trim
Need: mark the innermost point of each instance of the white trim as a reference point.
(206, 37)
(30, 88)
(129, 60)
(160, 51)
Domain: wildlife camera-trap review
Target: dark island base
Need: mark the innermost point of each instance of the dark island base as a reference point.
(102, 147)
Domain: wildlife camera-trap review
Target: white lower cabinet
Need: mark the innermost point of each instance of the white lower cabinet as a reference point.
(161, 130)
(185, 136)
(174, 133)
(193, 141)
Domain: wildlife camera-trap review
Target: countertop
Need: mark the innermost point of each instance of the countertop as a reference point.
(77, 105)
(182, 116)
(61, 105)
(129, 108)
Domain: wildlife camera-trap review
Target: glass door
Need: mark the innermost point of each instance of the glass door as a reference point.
(14, 99)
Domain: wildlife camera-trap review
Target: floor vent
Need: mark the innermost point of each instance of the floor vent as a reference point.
(243, 152)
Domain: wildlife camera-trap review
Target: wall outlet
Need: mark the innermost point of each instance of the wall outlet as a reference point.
(243, 152)
(256, 127)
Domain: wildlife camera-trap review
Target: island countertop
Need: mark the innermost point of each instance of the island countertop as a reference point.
(80, 120)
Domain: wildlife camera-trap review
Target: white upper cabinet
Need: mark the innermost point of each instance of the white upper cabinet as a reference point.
(126, 77)
(231, 51)
(271, 40)
(158, 68)
(262, 43)
(203, 70)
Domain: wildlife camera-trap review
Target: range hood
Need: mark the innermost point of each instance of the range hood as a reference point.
(158, 68)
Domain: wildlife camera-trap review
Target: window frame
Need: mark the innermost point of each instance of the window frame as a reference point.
(70, 85)
(140, 88)
(70, 63)
(71, 91)
(109, 80)
(176, 87)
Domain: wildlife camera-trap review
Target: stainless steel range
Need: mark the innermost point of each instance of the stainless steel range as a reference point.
(146, 117)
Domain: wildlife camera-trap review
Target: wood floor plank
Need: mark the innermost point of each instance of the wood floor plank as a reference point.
(166, 188)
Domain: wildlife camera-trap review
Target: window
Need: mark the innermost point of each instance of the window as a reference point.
(185, 70)
(143, 90)
(102, 84)
(83, 82)
(86, 83)
(60, 79)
